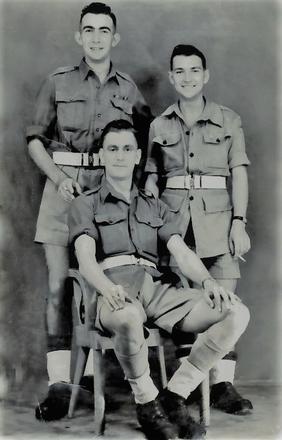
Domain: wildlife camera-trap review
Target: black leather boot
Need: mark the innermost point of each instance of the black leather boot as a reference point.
(177, 411)
(225, 397)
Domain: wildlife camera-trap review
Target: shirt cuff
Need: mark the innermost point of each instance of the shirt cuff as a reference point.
(240, 159)
(78, 230)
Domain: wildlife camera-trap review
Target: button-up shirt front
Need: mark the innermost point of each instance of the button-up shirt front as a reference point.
(73, 107)
(120, 227)
(212, 146)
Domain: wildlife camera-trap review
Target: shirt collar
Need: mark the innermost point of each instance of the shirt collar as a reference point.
(107, 190)
(211, 112)
(85, 69)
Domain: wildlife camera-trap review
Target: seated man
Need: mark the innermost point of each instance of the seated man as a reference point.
(116, 230)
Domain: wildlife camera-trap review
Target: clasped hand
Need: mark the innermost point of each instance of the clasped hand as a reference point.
(116, 297)
(67, 189)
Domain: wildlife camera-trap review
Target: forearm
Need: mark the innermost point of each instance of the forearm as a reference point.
(240, 191)
(151, 184)
(44, 162)
(187, 261)
(89, 268)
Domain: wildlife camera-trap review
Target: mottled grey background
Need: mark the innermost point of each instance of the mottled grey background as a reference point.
(241, 43)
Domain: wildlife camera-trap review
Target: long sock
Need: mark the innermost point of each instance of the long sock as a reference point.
(143, 388)
(223, 371)
(209, 348)
(58, 366)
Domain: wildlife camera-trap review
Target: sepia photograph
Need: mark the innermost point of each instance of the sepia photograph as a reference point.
(140, 227)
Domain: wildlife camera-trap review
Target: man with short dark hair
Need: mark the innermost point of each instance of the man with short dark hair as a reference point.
(116, 231)
(73, 106)
(194, 146)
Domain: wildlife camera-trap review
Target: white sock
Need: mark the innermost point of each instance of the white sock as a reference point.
(143, 388)
(223, 371)
(58, 366)
(185, 379)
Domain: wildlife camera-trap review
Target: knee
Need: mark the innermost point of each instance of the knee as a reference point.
(240, 316)
(128, 319)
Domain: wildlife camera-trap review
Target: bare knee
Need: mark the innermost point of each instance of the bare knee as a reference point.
(240, 316)
(128, 319)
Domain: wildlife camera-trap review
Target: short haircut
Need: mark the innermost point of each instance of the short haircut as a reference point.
(116, 126)
(187, 50)
(98, 8)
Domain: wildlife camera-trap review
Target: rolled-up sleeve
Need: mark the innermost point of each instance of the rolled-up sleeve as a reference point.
(151, 163)
(81, 218)
(170, 226)
(45, 112)
(237, 151)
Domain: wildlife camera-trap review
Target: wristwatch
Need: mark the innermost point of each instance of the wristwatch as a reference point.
(239, 217)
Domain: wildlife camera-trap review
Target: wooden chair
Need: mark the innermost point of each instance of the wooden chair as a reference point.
(88, 338)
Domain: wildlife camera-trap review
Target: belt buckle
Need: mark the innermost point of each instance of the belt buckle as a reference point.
(192, 183)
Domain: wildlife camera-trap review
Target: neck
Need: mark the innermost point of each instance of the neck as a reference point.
(121, 186)
(101, 68)
(194, 105)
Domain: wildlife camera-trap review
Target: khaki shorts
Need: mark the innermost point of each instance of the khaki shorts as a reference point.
(223, 266)
(159, 304)
(52, 222)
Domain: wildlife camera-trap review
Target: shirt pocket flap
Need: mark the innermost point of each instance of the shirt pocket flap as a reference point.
(216, 201)
(67, 97)
(122, 104)
(167, 139)
(173, 201)
(213, 134)
(110, 218)
(155, 222)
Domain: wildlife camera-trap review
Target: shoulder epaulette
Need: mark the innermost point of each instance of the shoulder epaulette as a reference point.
(64, 69)
(125, 76)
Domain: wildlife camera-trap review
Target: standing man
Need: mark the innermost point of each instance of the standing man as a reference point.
(194, 146)
(73, 106)
(116, 231)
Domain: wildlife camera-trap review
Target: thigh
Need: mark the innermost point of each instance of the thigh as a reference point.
(57, 259)
(201, 317)
(223, 267)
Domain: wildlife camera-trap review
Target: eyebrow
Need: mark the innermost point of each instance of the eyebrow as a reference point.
(124, 146)
(100, 28)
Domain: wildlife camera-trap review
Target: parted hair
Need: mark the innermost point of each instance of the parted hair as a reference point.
(187, 50)
(98, 8)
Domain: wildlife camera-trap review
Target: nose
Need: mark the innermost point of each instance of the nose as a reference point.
(187, 75)
(96, 36)
(120, 155)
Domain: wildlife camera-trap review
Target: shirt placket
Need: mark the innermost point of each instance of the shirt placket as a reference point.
(94, 86)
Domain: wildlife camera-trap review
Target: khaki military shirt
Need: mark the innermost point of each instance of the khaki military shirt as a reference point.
(73, 107)
(212, 146)
(119, 227)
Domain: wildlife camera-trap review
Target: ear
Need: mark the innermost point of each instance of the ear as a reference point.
(101, 156)
(206, 76)
(116, 39)
(170, 77)
(77, 37)
(138, 156)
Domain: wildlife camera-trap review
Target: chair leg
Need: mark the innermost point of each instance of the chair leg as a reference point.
(99, 394)
(205, 403)
(160, 350)
(82, 356)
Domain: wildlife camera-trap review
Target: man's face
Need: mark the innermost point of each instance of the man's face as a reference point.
(97, 36)
(188, 76)
(120, 154)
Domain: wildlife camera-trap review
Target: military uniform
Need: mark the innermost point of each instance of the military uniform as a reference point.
(132, 230)
(211, 147)
(71, 111)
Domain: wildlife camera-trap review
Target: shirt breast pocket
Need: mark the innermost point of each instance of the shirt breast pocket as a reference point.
(113, 230)
(71, 111)
(121, 108)
(171, 148)
(148, 226)
(216, 144)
